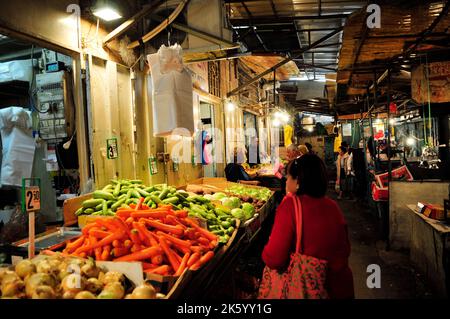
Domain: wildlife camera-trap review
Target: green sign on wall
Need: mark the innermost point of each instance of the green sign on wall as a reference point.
(112, 148)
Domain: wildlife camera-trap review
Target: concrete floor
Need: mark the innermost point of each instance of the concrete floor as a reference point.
(399, 280)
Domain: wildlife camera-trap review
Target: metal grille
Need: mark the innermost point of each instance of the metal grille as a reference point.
(214, 78)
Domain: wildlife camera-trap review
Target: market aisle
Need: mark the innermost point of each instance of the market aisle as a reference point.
(398, 278)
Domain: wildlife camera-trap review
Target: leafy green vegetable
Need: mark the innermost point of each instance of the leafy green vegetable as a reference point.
(231, 202)
(249, 210)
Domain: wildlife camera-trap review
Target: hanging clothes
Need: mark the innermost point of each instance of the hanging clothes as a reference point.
(337, 143)
(288, 132)
(171, 93)
(202, 151)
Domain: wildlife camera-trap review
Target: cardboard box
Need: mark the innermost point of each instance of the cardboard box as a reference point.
(70, 206)
(434, 211)
(379, 193)
(401, 173)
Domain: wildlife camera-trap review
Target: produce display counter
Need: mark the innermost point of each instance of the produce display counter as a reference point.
(201, 284)
(189, 210)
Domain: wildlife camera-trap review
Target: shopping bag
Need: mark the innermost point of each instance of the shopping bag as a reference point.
(304, 278)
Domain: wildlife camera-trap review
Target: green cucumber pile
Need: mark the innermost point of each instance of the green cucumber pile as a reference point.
(122, 193)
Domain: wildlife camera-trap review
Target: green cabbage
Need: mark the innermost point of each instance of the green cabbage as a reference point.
(249, 210)
(238, 213)
(231, 202)
(218, 196)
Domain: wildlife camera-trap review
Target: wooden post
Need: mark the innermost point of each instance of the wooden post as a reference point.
(31, 234)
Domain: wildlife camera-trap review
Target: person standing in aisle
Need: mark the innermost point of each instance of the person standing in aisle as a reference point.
(292, 152)
(303, 150)
(341, 165)
(350, 175)
(324, 232)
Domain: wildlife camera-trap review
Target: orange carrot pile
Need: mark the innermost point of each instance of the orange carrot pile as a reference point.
(166, 242)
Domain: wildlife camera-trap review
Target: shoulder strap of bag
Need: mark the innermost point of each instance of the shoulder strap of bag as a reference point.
(298, 223)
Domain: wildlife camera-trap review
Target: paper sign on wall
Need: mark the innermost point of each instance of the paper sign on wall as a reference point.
(347, 129)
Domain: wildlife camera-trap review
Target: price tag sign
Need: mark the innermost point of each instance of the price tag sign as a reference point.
(32, 199)
(112, 149)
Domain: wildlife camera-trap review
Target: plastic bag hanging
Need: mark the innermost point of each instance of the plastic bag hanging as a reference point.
(172, 93)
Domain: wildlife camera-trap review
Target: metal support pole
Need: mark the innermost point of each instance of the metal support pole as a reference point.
(389, 126)
(375, 85)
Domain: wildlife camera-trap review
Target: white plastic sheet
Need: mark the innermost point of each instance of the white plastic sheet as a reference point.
(18, 146)
(19, 70)
(171, 92)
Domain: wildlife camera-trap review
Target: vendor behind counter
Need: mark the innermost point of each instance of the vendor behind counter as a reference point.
(235, 172)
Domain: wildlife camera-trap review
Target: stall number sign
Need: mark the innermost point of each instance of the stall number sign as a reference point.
(111, 146)
(33, 198)
(153, 166)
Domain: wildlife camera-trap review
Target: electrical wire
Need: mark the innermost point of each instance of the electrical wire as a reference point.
(31, 92)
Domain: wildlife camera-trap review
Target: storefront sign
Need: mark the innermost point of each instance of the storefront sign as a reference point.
(111, 146)
(438, 88)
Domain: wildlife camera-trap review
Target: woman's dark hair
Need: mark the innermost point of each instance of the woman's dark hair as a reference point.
(309, 146)
(311, 174)
(343, 149)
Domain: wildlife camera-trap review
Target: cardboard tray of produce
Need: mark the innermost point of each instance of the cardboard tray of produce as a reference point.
(70, 206)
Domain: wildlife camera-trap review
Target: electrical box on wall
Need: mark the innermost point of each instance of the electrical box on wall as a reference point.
(55, 117)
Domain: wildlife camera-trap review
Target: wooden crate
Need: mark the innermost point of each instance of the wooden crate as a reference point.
(70, 206)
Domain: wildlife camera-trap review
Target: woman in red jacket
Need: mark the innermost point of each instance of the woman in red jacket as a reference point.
(324, 228)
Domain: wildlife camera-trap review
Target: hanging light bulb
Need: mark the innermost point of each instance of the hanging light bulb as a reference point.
(231, 106)
(285, 117)
(276, 122)
(410, 141)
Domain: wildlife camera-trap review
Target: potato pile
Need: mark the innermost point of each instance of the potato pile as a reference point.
(58, 277)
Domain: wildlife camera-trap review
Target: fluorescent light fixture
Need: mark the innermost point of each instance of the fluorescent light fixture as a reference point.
(107, 14)
(231, 106)
(410, 141)
(298, 78)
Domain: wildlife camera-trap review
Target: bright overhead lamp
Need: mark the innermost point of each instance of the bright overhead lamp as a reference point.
(107, 14)
(107, 11)
(276, 123)
(231, 106)
(410, 141)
